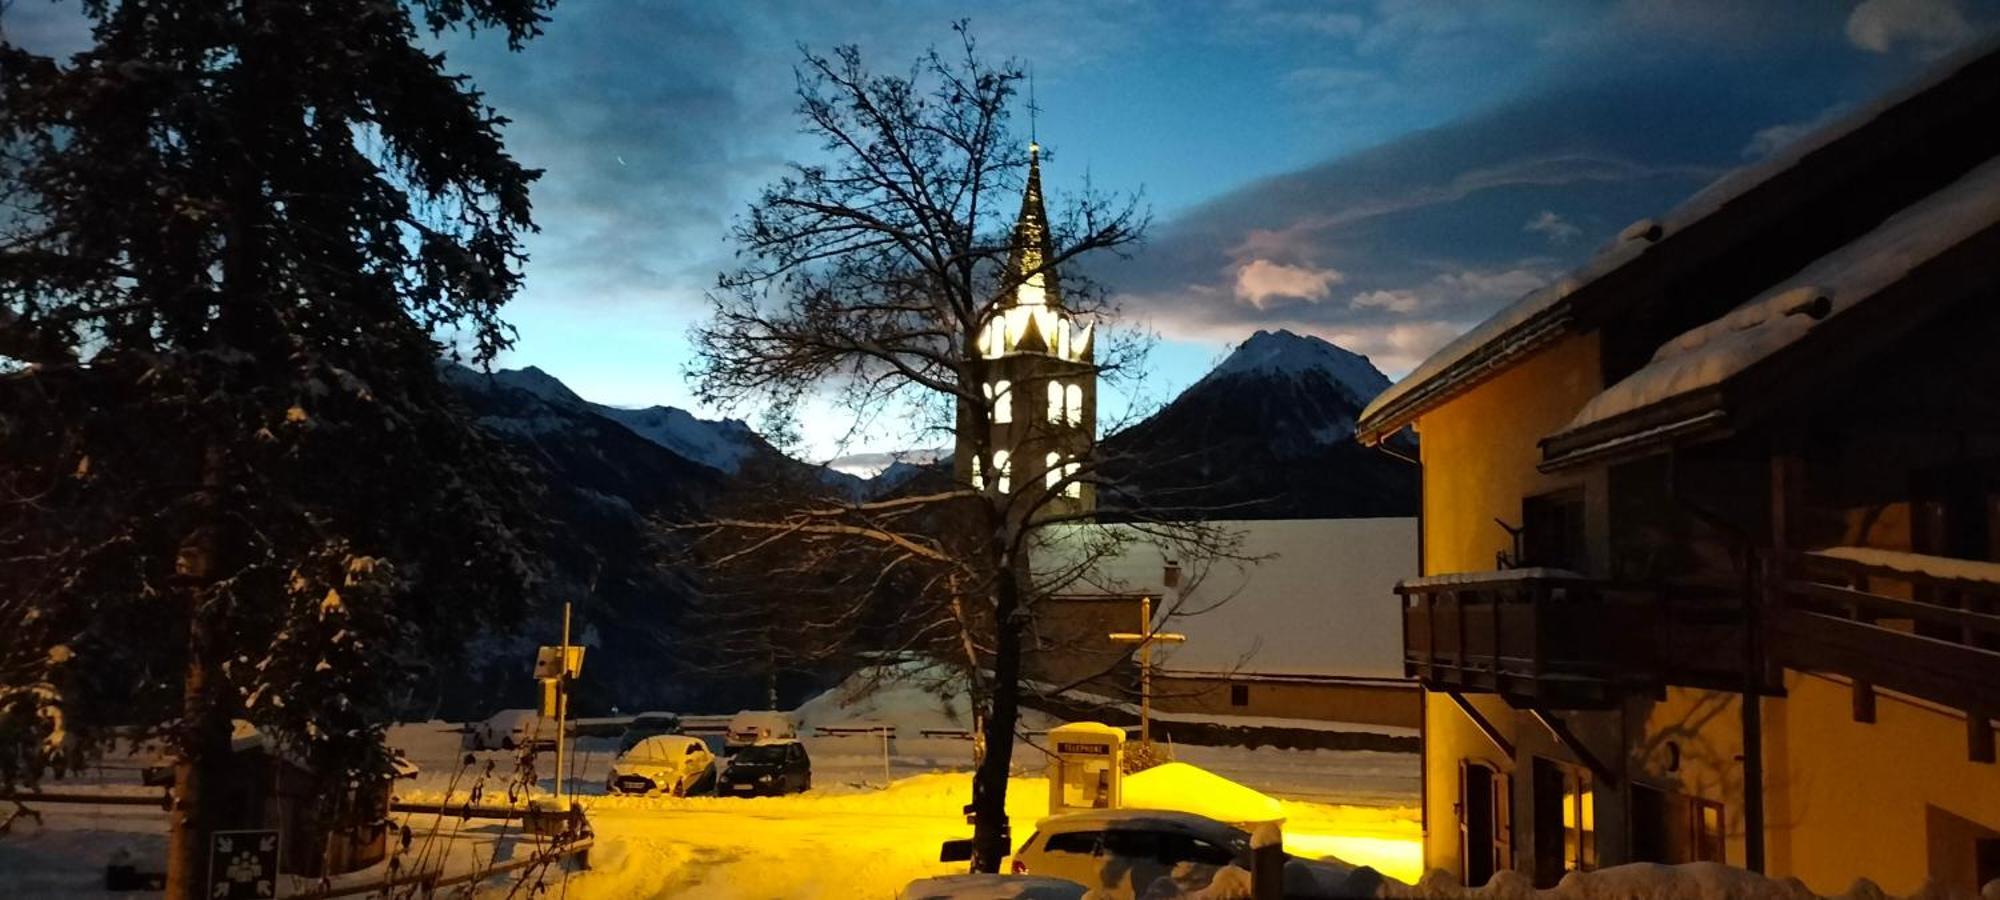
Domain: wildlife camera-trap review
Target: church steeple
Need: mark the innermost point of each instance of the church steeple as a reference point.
(1040, 381)
(1032, 247)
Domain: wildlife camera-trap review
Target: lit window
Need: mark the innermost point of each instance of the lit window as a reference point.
(1002, 397)
(1074, 488)
(1075, 395)
(1055, 402)
(1002, 470)
(1031, 292)
(1055, 469)
(978, 478)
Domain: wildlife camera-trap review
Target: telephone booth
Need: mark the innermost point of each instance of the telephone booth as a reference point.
(1085, 768)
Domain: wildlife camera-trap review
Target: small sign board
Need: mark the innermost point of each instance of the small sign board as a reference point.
(242, 865)
(548, 662)
(1083, 749)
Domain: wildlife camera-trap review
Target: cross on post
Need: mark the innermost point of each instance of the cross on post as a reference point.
(1146, 637)
(1033, 109)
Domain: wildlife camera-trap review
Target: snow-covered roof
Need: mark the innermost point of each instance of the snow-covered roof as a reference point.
(1309, 600)
(1916, 563)
(1784, 315)
(1543, 313)
(1496, 576)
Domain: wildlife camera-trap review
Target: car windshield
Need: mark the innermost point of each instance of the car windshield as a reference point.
(654, 751)
(762, 753)
(635, 734)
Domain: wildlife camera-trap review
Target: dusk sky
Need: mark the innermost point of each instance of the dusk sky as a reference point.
(1381, 174)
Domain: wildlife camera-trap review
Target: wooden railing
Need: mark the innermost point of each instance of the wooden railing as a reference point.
(1540, 638)
(1906, 628)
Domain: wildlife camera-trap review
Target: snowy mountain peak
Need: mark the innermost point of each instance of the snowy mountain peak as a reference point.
(539, 383)
(722, 444)
(1282, 352)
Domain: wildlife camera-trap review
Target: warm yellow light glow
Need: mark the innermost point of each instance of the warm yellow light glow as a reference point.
(1185, 788)
(1032, 292)
(1401, 858)
(1001, 393)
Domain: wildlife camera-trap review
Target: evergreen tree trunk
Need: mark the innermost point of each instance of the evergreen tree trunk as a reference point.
(204, 733)
(990, 835)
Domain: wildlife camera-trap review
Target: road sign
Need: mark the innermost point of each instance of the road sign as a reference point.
(242, 865)
(547, 665)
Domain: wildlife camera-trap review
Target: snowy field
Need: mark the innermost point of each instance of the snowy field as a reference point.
(856, 834)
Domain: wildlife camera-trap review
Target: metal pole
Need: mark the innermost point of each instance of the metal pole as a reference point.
(885, 756)
(562, 702)
(1145, 670)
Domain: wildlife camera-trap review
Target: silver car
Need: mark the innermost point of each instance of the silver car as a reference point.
(1121, 852)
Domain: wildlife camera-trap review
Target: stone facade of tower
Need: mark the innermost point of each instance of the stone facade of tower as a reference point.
(1040, 374)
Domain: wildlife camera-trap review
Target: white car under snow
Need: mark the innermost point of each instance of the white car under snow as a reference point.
(665, 763)
(756, 725)
(508, 729)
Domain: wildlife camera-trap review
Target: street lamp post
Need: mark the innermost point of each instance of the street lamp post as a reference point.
(1146, 637)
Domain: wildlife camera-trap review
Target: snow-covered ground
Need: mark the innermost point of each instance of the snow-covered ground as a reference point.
(872, 822)
(853, 835)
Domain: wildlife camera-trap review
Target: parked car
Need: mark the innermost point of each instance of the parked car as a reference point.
(509, 729)
(752, 726)
(772, 767)
(645, 725)
(664, 763)
(1120, 852)
(992, 887)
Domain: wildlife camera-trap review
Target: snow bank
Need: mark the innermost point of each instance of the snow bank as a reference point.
(1636, 881)
(912, 697)
(1184, 788)
(992, 887)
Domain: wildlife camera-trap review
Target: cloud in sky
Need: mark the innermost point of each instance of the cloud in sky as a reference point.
(1264, 284)
(1929, 27)
(1552, 226)
(1383, 173)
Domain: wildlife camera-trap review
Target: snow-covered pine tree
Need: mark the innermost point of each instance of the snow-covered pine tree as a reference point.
(231, 484)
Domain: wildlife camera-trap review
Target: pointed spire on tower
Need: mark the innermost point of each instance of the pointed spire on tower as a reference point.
(1032, 245)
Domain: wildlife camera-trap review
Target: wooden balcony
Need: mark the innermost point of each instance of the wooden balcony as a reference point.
(1538, 637)
(1919, 625)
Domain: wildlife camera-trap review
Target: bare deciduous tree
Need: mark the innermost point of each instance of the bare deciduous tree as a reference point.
(873, 276)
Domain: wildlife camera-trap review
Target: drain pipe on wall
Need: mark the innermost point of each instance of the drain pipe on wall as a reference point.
(1423, 696)
(1753, 663)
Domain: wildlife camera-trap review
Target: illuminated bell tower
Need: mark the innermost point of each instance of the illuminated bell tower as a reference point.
(1041, 376)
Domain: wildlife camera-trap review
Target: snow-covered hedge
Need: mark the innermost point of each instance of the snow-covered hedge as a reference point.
(1636, 881)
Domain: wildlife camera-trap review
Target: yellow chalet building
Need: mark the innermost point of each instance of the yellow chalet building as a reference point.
(1709, 557)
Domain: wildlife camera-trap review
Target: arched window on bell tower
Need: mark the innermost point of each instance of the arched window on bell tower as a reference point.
(1001, 394)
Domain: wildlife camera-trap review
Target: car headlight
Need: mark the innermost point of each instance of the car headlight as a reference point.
(763, 779)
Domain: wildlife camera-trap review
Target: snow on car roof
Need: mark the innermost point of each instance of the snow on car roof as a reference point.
(1137, 819)
(992, 887)
(662, 745)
